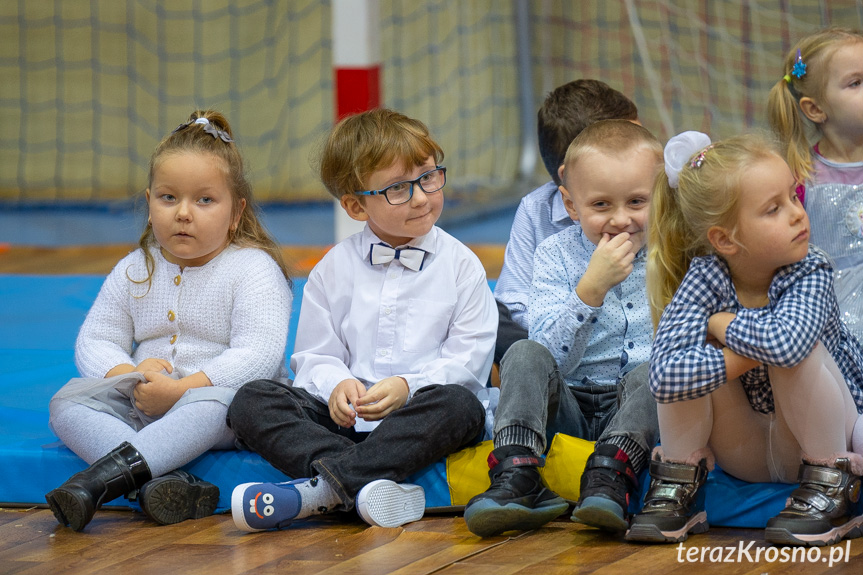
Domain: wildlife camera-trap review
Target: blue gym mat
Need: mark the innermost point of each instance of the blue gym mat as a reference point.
(39, 320)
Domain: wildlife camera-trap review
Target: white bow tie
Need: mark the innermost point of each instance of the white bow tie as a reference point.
(411, 258)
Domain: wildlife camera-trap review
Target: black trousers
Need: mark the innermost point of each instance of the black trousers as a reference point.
(293, 430)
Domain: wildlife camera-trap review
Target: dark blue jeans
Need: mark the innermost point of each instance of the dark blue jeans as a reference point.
(293, 430)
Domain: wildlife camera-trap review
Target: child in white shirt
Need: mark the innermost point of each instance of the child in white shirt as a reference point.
(395, 337)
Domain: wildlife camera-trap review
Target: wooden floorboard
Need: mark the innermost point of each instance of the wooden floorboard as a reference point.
(120, 541)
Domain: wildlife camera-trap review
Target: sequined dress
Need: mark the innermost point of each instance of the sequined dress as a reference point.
(834, 202)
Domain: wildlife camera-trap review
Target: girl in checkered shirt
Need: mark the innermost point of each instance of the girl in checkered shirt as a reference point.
(751, 365)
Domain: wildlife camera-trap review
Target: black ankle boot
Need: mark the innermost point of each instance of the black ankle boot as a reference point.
(177, 496)
(75, 502)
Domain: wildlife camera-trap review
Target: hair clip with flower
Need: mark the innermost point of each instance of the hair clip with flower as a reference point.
(799, 69)
(699, 159)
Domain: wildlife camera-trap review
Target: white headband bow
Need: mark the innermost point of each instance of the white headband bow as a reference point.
(679, 149)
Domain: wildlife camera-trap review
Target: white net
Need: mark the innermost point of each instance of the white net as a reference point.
(687, 65)
(87, 89)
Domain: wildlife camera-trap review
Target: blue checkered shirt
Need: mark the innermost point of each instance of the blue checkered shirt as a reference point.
(540, 214)
(802, 310)
(590, 344)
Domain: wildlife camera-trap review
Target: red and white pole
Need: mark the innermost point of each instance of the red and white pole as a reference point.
(356, 71)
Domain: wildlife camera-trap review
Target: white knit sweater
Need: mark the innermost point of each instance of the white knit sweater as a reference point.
(228, 318)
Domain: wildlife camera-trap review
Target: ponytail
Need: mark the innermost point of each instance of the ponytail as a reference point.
(804, 75)
(668, 243)
(791, 126)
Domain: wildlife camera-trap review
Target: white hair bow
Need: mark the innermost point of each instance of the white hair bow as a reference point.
(679, 149)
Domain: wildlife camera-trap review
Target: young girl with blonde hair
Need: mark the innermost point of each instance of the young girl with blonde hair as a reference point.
(198, 310)
(819, 100)
(751, 366)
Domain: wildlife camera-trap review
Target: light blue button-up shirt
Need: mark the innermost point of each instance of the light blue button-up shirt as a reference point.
(590, 344)
(540, 214)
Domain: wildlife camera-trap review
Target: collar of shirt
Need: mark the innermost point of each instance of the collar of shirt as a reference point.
(558, 210)
(160, 261)
(719, 274)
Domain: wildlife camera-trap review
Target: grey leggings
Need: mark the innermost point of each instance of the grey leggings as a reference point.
(166, 444)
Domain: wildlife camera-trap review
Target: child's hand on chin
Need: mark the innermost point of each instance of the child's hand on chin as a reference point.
(610, 264)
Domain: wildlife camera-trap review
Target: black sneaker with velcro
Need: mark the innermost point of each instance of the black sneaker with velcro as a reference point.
(823, 510)
(606, 486)
(674, 504)
(516, 499)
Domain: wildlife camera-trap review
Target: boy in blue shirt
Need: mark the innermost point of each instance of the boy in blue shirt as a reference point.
(395, 337)
(566, 111)
(590, 328)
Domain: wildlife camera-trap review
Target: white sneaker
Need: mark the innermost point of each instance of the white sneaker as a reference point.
(385, 503)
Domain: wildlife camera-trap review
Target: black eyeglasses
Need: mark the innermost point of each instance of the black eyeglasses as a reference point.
(401, 192)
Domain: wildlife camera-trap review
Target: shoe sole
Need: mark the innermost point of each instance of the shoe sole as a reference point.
(385, 503)
(68, 509)
(169, 500)
(852, 529)
(649, 533)
(601, 513)
(487, 518)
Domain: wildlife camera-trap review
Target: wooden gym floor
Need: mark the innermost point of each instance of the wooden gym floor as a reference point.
(116, 541)
(125, 542)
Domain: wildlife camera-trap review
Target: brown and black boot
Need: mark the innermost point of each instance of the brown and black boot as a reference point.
(674, 503)
(823, 510)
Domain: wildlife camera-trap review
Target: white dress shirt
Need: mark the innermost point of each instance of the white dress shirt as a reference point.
(369, 322)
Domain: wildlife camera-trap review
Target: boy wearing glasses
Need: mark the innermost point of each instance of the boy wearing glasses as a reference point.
(395, 337)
